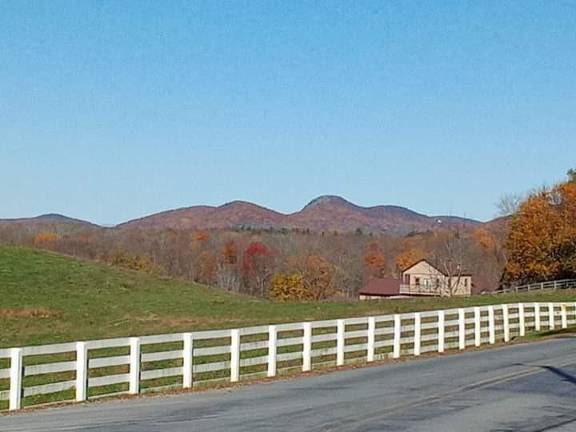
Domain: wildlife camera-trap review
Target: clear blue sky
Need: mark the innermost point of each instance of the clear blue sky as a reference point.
(111, 110)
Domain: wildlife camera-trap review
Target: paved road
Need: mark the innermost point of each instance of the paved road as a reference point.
(524, 388)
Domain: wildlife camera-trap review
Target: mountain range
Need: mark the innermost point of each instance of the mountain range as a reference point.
(326, 213)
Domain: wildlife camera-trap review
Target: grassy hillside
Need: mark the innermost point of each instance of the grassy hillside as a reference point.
(48, 298)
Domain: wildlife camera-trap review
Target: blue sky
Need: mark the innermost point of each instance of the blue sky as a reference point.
(112, 110)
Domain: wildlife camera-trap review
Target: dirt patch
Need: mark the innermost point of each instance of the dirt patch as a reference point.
(27, 313)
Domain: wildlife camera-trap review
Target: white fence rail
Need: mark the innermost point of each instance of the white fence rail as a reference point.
(550, 285)
(85, 370)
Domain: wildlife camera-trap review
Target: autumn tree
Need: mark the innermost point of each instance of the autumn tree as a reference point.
(408, 258)
(286, 287)
(133, 262)
(485, 239)
(227, 276)
(257, 267)
(486, 258)
(206, 267)
(375, 261)
(45, 239)
(230, 253)
(542, 240)
(318, 278)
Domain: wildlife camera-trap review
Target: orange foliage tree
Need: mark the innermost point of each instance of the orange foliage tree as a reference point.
(409, 257)
(45, 239)
(206, 267)
(319, 277)
(375, 261)
(542, 240)
(230, 252)
(485, 239)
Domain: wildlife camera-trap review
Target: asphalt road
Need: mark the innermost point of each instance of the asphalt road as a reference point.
(523, 388)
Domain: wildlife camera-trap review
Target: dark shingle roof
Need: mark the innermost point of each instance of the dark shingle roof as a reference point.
(382, 287)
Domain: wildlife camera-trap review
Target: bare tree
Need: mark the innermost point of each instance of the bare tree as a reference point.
(448, 257)
(509, 204)
(227, 277)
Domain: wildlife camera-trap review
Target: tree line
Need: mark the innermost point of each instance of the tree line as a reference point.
(284, 265)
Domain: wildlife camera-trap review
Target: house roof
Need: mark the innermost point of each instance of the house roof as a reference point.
(464, 273)
(418, 262)
(382, 287)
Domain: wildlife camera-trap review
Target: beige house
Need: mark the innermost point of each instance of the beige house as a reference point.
(423, 278)
(420, 279)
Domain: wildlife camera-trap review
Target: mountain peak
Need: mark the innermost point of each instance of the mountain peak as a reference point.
(331, 200)
(237, 203)
(53, 216)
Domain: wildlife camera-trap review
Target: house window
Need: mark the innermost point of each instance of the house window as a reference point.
(417, 281)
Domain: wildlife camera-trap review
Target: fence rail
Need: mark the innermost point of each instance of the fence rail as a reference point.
(550, 285)
(90, 369)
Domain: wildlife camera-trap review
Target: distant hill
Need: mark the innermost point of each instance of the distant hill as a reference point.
(326, 213)
(52, 222)
(231, 215)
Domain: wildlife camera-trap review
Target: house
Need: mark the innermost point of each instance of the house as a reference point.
(420, 279)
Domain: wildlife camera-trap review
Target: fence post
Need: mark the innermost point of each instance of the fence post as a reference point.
(491, 328)
(564, 313)
(537, 317)
(477, 329)
(134, 387)
(461, 329)
(16, 372)
(551, 323)
(307, 347)
(521, 319)
(371, 339)
(272, 350)
(188, 360)
(397, 336)
(234, 355)
(417, 333)
(506, 319)
(81, 371)
(341, 328)
(441, 331)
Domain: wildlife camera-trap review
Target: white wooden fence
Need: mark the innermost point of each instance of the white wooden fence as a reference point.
(86, 370)
(539, 286)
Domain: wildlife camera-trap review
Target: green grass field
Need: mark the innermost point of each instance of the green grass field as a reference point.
(46, 298)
